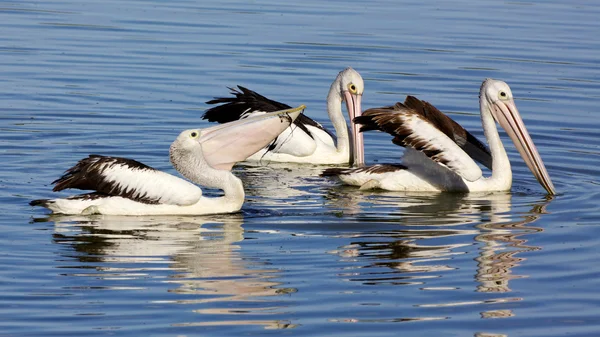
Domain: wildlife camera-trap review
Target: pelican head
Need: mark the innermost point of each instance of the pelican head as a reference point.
(188, 142)
(499, 98)
(351, 88)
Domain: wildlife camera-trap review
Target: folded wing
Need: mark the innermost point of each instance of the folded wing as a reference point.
(127, 178)
(419, 125)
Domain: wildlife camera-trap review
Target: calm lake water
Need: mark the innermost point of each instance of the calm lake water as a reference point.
(304, 255)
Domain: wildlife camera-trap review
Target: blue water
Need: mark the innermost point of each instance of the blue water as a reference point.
(305, 254)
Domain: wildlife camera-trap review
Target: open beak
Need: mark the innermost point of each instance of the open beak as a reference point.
(225, 144)
(353, 105)
(508, 117)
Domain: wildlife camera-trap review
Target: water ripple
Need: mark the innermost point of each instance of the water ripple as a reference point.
(305, 254)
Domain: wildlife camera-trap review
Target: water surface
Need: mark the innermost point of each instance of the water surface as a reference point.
(123, 78)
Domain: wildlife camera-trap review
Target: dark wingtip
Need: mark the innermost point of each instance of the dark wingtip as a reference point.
(366, 123)
(412, 101)
(243, 90)
(362, 119)
(374, 169)
(39, 202)
(216, 100)
(242, 101)
(332, 172)
(365, 128)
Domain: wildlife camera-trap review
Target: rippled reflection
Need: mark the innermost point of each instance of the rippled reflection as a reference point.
(433, 234)
(483, 334)
(503, 239)
(281, 184)
(196, 257)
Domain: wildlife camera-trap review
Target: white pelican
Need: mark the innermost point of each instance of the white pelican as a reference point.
(306, 141)
(437, 160)
(204, 156)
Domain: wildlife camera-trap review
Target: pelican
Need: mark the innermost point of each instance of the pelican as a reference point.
(440, 154)
(204, 156)
(306, 141)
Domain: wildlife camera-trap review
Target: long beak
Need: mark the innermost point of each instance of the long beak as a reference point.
(353, 105)
(509, 118)
(225, 144)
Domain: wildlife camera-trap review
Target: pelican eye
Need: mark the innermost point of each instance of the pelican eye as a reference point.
(352, 88)
(194, 134)
(503, 94)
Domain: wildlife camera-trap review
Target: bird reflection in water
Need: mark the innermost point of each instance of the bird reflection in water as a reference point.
(410, 220)
(503, 239)
(204, 262)
(282, 187)
(419, 236)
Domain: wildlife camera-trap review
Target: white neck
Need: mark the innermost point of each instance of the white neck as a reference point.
(194, 167)
(501, 170)
(334, 109)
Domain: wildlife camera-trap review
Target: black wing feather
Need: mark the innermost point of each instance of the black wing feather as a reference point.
(382, 119)
(87, 174)
(374, 169)
(246, 101)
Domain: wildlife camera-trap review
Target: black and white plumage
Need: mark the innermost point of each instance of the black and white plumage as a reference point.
(408, 118)
(126, 178)
(440, 155)
(246, 102)
(205, 156)
(372, 169)
(416, 124)
(307, 141)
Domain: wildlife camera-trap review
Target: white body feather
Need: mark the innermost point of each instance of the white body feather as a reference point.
(166, 188)
(453, 156)
(424, 175)
(298, 147)
(123, 206)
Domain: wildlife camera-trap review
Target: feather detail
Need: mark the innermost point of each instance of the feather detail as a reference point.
(127, 178)
(419, 125)
(373, 169)
(246, 102)
(412, 105)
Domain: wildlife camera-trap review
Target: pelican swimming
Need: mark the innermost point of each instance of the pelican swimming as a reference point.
(204, 156)
(439, 154)
(306, 141)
